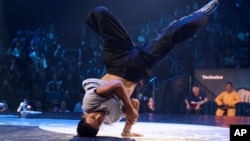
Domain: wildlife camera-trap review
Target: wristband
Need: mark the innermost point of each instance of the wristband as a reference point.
(126, 131)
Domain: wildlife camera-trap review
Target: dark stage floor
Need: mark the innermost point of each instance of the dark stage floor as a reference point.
(154, 127)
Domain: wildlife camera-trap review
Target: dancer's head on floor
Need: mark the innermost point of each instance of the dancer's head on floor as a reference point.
(90, 123)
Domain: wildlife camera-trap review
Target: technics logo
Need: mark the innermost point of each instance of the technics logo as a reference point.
(212, 77)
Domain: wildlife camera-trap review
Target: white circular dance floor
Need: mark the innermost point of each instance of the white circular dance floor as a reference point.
(152, 131)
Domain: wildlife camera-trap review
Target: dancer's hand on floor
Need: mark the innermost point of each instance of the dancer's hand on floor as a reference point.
(131, 134)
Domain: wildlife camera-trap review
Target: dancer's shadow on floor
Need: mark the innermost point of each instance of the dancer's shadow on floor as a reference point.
(100, 138)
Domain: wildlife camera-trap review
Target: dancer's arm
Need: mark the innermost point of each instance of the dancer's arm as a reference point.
(117, 88)
(128, 126)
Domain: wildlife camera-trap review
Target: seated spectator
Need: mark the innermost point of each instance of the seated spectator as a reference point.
(142, 38)
(151, 105)
(3, 106)
(63, 106)
(39, 61)
(24, 106)
(54, 106)
(244, 94)
(195, 101)
(38, 106)
(78, 105)
(227, 101)
(52, 92)
(228, 61)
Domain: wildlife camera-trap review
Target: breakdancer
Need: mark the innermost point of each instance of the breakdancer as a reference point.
(107, 100)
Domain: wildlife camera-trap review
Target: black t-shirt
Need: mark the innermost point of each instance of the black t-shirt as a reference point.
(191, 97)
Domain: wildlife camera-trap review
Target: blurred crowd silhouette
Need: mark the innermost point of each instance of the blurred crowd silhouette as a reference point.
(38, 66)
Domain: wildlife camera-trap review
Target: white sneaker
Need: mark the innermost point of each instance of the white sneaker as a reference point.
(210, 7)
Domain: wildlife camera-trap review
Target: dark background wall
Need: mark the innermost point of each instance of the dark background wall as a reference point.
(17, 12)
(65, 11)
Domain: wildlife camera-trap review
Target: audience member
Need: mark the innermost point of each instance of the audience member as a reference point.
(3, 106)
(63, 106)
(18, 49)
(142, 38)
(38, 106)
(151, 105)
(78, 105)
(54, 106)
(52, 93)
(195, 101)
(228, 60)
(227, 101)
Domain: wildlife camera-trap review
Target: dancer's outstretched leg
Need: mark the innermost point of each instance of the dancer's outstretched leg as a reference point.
(179, 31)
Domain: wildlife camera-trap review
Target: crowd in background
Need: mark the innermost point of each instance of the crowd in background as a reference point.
(37, 66)
(222, 43)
